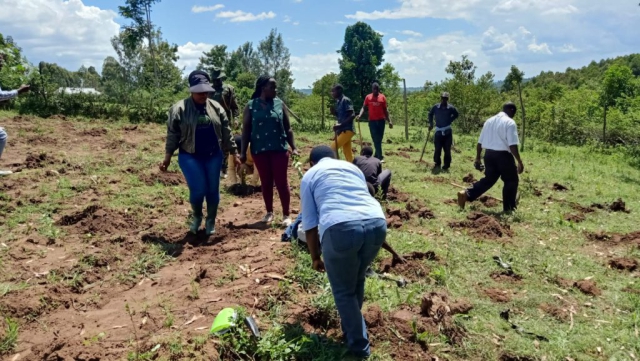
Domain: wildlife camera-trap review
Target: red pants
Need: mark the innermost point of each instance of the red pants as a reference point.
(272, 168)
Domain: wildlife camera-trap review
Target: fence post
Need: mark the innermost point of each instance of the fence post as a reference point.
(323, 106)
(406, 115)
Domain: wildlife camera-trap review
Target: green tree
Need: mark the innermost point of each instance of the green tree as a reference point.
(618, 82)
(216, 57)
(514, 79)
(323, 85)
(275, 61)
(362, 54)
(15, 67)
(243, 60)
(139, 12)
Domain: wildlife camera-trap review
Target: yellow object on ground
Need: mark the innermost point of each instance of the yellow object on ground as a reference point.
(344, 142)
(236, 173)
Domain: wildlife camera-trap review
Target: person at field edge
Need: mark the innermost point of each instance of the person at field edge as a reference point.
(343, 129)
(267, 128)
(376, 104)
(6, 95)
(225, 95)
(445, 114)
(371, 167)
(499, 139)
(339, 213)
(199, 128)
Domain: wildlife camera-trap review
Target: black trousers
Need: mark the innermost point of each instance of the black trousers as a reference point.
(384, 181)
(498, 164)
(443, 142)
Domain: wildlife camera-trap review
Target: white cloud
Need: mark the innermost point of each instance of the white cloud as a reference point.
(297, 1)
(494, 41)
(568, 48)
(415, 34)
(543, 48)
(241, 16)
(420, 9)
(66, 32)
(203, 9)
(190, 54)
(287, 19)
(296, 23)
(311, 67)
(380, 33)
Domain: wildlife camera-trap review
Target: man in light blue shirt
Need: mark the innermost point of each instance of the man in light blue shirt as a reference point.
(338, 211)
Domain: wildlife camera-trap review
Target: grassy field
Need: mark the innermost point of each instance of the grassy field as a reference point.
(96, 261)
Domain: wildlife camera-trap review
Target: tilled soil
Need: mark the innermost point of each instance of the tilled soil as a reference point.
(414, 270)
(483, 226)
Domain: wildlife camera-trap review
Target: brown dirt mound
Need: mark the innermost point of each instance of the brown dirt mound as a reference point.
(96, 220)
(435, 179)
(374, 317)
(401, 213)
(563, 282)
(588, 287)
(426, 213)
(410, 148)
(323, 319)
(559, 187)
(483, 226)
(397, 196)
(505, 276)
(575, 218)
(394, 222)
(438, 310)
(619, 206)
(559, 313)
(498, 295)
(167, 179)
(414, 270)
(42, 140)
(625, 264)
(489, 202)
(404, 155)
(614, 239)
(414, 206)
(41, 160)
(95, 132)
(469, 178)
(537, 192)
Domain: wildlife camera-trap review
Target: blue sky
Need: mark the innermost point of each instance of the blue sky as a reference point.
(420, 36)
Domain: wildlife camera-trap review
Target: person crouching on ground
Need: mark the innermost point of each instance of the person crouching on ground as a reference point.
(339, 212)
(499, 138)
(237, 173)
(267, 128)
(371, 167)
(199, 128)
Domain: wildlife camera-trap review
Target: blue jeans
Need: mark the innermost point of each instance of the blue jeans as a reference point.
(376, 127)
(348, 249)
(3, 140)
(203, 178)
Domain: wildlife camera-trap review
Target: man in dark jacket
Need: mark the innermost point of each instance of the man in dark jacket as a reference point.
(225, 95)
(371, 167)
(444, 114)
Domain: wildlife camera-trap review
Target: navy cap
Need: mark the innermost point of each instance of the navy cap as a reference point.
(199, 82)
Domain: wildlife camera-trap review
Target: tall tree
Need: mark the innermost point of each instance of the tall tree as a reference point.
(139, 12)
(243, 60)
(618, 82)
(216, 57)
(323, 85)
(275, 59)
(514, 79)
(362, 54)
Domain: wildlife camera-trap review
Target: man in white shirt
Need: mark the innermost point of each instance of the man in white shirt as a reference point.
(499, 138)
(6, 95)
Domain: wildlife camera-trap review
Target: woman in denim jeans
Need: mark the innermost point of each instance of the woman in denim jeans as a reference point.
(199, 128)
(339, 212)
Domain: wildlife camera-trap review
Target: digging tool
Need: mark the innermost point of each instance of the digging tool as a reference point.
(425, 145)
(335, 139)
(463, 187)
(502, 263)
(359, 132)
(400, 282)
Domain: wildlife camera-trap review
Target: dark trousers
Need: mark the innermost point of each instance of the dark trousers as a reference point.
(498, 164)
(376, 127)
(443, 141)
(384, 180)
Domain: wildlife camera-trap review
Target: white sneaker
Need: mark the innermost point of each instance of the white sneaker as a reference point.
(222, 175)
(287, 222)
(268, 218)
(5, 172)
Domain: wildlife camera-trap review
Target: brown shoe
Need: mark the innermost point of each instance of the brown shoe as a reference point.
(462, 198)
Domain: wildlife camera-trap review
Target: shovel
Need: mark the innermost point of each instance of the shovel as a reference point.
(425, 145)
(400, 282)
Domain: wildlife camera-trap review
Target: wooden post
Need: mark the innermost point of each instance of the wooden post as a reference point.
(406, 114)
(604, 127)
(322, 105)
(524, 122)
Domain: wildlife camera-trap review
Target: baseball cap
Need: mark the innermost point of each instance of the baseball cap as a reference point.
(444, 95)
(199, 82)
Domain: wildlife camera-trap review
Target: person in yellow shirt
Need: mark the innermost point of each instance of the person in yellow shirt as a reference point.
(343, 129)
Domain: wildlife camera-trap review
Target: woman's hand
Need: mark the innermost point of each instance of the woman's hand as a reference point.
(318, 265)
(295, 152)
(165, 163)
